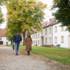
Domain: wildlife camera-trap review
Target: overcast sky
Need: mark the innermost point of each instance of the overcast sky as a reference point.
(47, 11)
(4, 11)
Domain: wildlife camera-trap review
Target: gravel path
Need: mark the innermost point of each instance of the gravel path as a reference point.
(9, 61)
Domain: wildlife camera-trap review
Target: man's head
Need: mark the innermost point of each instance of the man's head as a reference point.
(17, 33)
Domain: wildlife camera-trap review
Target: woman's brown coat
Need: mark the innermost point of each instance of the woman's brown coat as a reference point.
(28, 43)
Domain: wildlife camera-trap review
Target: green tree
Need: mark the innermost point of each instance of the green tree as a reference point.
(2, 2)
(24, 16)
(63, 12)
(1, 16)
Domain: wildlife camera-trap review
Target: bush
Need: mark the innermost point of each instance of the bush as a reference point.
(48, 45)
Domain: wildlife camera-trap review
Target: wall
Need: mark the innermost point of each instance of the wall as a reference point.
(52, 35)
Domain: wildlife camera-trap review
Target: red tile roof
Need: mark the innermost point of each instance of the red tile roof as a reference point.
(2, 32)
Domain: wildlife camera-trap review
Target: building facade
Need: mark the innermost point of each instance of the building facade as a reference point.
(52, 34)
(3, 38)
(61, 36)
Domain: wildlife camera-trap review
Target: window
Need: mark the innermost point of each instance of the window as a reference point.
(50, 30)
(69, 35)
(46, 31)
(50, 39)
(55, 39)
(55, 28)
(38, 42)
(46, 40)
(62, 39)
(62, 28)
(38, 35)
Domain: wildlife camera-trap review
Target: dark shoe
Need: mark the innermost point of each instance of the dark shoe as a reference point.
(28, 52)
(16, 53)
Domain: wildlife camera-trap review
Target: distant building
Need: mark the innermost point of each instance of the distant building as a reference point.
(52, 34)
(37, 39)
(3, 38)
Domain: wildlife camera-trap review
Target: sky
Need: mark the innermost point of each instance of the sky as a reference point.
(48, 13)
(4, 11)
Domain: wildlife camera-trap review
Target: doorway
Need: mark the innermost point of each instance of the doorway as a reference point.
(1, 42)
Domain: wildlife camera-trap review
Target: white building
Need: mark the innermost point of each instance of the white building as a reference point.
(52, 34)
(3, 38)
(37, 39)
(61, 36)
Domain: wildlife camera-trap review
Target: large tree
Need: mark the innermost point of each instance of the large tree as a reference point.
(2, 3)
(63, 12)
(1, 16)
(24, 16)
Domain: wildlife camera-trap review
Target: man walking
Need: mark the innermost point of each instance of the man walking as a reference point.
(17, 39)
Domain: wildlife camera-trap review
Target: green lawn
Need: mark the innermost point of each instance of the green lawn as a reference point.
(58, 54)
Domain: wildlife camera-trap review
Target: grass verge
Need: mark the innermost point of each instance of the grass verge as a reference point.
(58, 54)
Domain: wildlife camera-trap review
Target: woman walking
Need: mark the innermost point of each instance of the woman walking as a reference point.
(28, 44)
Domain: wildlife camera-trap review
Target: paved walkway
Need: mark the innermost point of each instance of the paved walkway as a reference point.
(8, 61)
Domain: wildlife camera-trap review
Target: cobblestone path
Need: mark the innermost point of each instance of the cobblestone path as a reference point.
(9, 61)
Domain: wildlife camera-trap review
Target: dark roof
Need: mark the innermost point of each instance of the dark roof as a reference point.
(49, 23)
